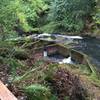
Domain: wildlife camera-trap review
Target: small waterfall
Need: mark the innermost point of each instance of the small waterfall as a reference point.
(45, 54)
(57, 37)
(66, 60)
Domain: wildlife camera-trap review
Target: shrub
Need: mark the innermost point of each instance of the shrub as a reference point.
(37, 92)
(71, 13)
(20, 13)
(65, 84)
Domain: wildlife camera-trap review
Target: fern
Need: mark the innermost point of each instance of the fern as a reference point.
(37, 92)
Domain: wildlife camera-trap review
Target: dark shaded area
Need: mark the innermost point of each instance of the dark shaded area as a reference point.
(21, 32)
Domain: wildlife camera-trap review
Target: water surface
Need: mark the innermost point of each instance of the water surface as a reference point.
(91, 47)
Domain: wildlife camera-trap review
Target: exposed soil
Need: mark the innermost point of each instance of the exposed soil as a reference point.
(4, 73)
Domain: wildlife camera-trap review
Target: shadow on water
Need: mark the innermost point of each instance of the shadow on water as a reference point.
(90, 46)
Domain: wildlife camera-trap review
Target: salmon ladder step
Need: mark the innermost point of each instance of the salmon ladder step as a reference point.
(5, 94)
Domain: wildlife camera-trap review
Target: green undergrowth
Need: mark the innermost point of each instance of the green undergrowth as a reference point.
(38, 92)
(33, 80)
(50, 27)
(95, 80)
(42, 74)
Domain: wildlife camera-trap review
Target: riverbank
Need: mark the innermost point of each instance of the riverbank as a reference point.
(21, 72)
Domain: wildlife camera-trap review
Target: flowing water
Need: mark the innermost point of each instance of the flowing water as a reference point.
(91, 47)
(87, 45)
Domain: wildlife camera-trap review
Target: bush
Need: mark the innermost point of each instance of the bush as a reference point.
(71, 13)
(20, 13)
(37, 92)
(65, 84)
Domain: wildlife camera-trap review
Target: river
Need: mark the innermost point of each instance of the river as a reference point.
(91, 47)
(87, 45)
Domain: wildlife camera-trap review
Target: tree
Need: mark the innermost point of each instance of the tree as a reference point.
(21, 13)
(71, 13)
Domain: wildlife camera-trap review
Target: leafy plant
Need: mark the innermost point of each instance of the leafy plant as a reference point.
(20, 13)
(30, 12)
(37, 92)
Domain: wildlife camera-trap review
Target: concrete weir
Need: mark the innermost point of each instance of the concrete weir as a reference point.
(58, 53)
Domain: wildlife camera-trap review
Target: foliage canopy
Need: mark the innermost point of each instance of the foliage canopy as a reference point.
(71, 13)
(20, 13)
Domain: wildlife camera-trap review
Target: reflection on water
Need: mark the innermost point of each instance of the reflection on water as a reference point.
(91, 47)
